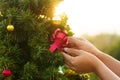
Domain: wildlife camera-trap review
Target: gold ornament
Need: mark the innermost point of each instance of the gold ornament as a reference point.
(10, 28)
(69, 72)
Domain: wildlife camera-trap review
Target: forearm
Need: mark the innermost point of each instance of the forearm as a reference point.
(105, 73)
(110, 62)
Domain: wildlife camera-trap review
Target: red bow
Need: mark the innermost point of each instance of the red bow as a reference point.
(59, 39)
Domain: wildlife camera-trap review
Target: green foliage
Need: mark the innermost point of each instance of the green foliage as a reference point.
(25, 51)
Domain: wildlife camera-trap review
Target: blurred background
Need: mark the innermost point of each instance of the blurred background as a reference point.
(92, 17)
(96, 20)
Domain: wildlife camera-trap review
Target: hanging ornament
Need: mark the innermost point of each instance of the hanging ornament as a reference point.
(60, 70)
(10, 28)
(59, 39)
(7, 73)
(69, 72)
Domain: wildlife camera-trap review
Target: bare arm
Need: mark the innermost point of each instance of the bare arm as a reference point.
(105, 73)
(110, 62)
(83, 62)
(84, 44)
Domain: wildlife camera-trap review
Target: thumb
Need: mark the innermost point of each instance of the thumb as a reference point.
(71, 51)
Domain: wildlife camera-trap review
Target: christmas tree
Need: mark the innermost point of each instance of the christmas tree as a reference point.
(25, 31)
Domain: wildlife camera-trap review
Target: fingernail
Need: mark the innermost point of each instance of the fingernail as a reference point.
(65, 49)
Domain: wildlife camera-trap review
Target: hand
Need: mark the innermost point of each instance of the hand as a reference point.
(82, 44)
(79, 60)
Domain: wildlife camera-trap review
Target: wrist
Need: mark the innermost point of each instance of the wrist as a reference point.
(97, 53)
(104, 72)
(98, 65)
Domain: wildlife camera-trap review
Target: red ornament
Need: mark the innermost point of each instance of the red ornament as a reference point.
(6, 73)
(59, 39)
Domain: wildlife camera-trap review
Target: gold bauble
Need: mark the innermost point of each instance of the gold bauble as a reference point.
(10, 28)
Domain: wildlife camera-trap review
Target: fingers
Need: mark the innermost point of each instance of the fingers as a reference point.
(72, 42)
(75, 42)
(68, 60)
(67, 57)
(72, 52)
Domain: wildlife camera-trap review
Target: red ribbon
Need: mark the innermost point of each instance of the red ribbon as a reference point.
(59, 39)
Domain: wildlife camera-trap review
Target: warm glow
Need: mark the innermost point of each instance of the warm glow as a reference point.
(91, 16)
(67, 7)
(56, 18)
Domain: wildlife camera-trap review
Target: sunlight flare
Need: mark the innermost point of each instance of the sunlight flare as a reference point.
(89, 17)
(67, 7)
